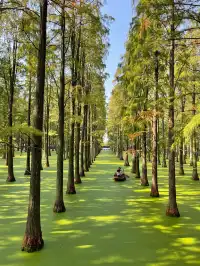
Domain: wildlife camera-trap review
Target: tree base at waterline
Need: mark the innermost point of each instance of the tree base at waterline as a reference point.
(181, 171)
(137, 176)
(172, 212)
(144, 183)
(154, 192)
(77, 180)
(27, 172)
(82, 173)
(11, 179)
(164, 164)
(195, 176)
(71, 190)
(59, 206)
(32, 244)
(126, 163)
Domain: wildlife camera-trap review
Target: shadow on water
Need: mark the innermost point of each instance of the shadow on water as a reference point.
(106, 223)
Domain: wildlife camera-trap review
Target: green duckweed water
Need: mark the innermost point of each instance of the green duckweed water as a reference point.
(106, 223)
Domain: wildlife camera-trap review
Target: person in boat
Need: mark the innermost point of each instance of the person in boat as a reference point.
(119, 171)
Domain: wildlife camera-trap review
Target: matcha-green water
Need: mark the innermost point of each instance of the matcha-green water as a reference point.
(106, 223)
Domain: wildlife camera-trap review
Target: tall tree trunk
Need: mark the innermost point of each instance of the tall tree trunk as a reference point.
(88, 138)
(172, 208)
(59, 205)
(49, 140)
(191, 151)
(144, 179)
(158, 135)
(82, 172)
(33, 235)
(91, 136)
(177, 154)
(195, 175)
(127, 143)
(64, 151)
(11, 177)
(28, 157)
(133, 168)
(181, 146)
(154, 186)
(149, 144)
(184, 153)
(137, 159)
(86, 168)
(164, 163)
(47, 128)
(77, 143)
(77, 147)
(78, 106)
(70, 183)
(94, 129)
(126, 162)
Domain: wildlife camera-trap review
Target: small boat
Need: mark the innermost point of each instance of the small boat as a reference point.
(120, 178)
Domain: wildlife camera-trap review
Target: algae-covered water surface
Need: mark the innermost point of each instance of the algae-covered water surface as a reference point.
(105, 223)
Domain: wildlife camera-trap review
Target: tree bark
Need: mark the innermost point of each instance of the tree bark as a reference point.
(33, 235)
(11, 177)
(184, 153)
(149, 144)
(181, 146)
(86, 167)
(88, 137)
(191, 151)
(28, 157)
(70, 183)
(126, 162)
(77, 142)
(137, 158)
(195, 175)
(158, 143)
(47, 128)
(133, 168)
(164, 163)
(154, 186)
(49, 140)
(77, 147)
(144, 178)
(82, 172)
(59, 205)
(172, 208)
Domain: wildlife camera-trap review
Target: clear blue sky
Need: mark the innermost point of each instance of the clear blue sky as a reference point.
(121, 10)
